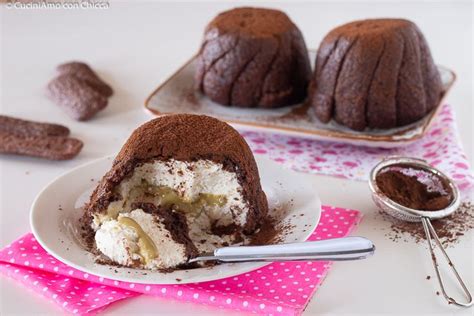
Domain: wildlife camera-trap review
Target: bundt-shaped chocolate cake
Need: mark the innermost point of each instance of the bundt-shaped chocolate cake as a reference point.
(253, 57)
(181, 185)
(374, 73)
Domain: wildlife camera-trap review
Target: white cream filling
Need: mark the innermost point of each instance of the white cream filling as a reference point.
(121, 243)
(190, 180)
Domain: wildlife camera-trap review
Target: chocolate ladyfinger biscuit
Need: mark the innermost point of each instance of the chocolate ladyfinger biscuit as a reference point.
(78, 99)
(26, 128)
(84, 72)
(51, 147)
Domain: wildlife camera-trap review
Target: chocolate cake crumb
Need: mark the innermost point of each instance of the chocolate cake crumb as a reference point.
(223, 230)
(266, 234)
(428, 277)
(271, 232)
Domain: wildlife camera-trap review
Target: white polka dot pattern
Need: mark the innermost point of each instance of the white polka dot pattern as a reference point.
(276, 289)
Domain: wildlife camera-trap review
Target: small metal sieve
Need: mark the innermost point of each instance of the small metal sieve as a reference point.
(412, 215)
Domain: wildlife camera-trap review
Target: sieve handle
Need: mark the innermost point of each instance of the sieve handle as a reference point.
(432, 235)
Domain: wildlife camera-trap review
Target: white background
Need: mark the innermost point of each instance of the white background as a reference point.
(136, 45)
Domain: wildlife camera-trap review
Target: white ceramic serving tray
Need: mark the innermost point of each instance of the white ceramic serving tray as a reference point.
(178, 95)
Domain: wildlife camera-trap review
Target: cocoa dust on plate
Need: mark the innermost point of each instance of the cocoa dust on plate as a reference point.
(449, 229)
(271, 232)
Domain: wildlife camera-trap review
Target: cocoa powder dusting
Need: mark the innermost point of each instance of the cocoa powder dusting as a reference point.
(297, 112)
(267, 232)
(449, 229)
(272, 231)
(414, 188)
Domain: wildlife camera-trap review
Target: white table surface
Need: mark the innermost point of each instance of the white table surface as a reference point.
(135, 46)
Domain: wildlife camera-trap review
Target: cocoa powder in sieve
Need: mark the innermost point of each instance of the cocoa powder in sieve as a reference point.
(422, 190)
(414, 188)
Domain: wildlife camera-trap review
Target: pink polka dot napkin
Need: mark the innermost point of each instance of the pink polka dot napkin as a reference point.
(277, 289)
(441, 147)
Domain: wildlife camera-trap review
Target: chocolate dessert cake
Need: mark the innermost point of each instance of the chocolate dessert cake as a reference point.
(374, 73)
(181, 185)
(253, 57)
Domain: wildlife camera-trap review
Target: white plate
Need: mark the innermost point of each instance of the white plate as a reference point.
(178, 95)
(292, 198)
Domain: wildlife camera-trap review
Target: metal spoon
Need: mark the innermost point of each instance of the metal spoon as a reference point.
(411, 215)
(336, 249)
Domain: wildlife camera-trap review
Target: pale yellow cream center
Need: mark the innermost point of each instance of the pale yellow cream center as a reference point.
(147, 247)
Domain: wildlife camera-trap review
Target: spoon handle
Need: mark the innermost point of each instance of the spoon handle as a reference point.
(337, 249)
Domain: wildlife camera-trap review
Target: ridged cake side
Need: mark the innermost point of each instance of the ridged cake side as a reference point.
(374, 73)
(253, 57)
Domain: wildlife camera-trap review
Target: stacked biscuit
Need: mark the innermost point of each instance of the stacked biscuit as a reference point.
(36, 139)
